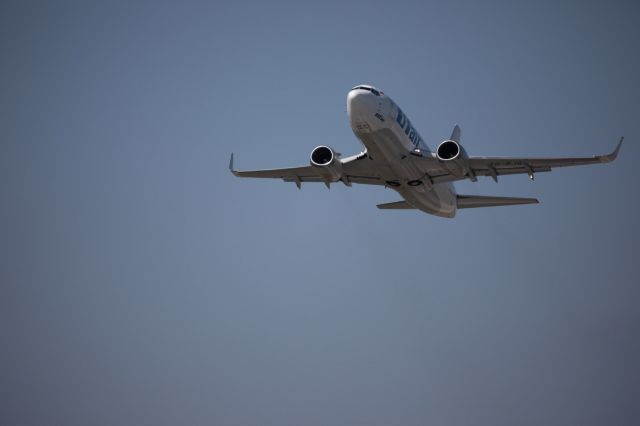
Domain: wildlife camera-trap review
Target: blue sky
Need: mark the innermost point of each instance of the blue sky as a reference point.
(141, 283)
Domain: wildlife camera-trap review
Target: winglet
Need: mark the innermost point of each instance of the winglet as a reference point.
(610, 157)
(231, 165)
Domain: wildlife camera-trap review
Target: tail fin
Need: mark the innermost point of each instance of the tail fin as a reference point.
(455, 135)
(472, 201)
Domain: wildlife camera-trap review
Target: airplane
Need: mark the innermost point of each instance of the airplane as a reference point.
(396, 157)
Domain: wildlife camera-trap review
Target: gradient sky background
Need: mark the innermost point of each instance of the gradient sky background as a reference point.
(143, 284)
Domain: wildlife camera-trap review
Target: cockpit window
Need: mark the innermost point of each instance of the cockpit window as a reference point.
(369, 89)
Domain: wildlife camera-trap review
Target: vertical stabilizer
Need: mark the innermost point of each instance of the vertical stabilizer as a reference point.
(455, 135)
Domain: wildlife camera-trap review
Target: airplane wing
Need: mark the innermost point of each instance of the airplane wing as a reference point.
(355, 170)
(498, 166)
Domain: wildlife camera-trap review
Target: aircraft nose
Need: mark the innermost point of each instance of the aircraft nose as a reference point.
(361, 101)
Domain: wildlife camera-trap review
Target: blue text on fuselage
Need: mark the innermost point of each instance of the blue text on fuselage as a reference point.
(409, 130)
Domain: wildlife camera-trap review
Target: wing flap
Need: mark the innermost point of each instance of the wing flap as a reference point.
(473, 201)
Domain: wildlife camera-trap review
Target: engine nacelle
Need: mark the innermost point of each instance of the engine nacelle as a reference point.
(327, 162)
(454, 157)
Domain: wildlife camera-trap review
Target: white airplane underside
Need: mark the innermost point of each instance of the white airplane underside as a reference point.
(395, 156)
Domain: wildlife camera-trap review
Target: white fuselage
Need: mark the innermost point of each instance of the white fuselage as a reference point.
(392, 142)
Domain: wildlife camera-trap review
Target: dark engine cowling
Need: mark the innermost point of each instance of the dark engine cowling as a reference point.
(327, 162)
(454, 157)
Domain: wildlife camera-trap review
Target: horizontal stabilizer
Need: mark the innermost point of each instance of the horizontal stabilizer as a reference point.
(398, 205)
(471, 201)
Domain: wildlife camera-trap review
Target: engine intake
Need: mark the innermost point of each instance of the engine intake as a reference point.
(322, 156)
(454, 158)
(448, 150)
(327, 162)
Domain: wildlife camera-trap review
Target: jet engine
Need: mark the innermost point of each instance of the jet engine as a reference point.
(327, 162)
(454, 158)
